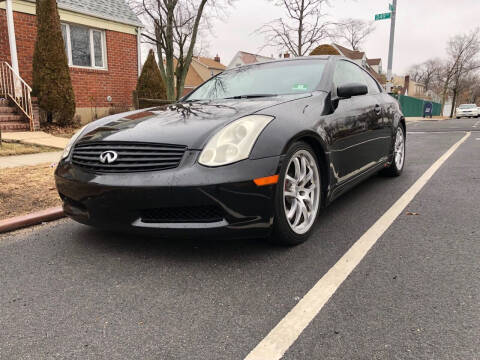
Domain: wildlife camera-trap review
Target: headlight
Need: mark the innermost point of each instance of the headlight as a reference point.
(234, 142)
(74, 138)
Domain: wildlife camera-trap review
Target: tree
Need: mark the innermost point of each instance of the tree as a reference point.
(51, 76)
(473, 94)
(150, 84)
(174, 27)
(469, 89)
(463, 51)
(353, 32)
(426, 73)
(302, 28)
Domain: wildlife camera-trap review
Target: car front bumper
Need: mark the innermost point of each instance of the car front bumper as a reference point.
(467, 114)
(190, 200)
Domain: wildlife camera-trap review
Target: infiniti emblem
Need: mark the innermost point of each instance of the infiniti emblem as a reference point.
(108, 157)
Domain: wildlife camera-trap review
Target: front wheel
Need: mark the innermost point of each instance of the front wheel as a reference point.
(398, 161)
(298, 196)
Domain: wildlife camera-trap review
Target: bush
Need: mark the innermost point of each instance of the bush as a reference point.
(51, 76)
(150, 84)
(118, 109)
(324, 50)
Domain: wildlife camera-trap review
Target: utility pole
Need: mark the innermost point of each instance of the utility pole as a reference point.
(390, 50)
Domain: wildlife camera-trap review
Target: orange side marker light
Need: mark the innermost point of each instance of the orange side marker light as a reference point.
(269, 180)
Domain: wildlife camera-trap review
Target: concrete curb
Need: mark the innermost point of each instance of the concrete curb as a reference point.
(19, 222)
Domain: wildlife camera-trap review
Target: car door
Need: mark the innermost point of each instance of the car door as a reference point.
(380, 127)
(352, 126)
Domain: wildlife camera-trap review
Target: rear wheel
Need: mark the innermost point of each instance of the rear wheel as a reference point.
(398, 161)
(298, 197)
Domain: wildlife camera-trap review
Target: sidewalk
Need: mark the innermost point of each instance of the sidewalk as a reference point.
(36, 138)
(30, 159)
(419, 118)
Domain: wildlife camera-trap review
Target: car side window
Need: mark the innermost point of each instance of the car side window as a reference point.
(371, 84)
(347, 72)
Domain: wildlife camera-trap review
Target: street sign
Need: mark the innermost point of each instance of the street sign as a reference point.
(390, 7)
(383, 16)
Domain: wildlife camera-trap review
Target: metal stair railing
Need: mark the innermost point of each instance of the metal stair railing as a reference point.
(13, 87)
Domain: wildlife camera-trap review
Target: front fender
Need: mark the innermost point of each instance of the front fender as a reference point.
(293, 120)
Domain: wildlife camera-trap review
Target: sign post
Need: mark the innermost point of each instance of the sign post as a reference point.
(391, 15)
(390, 49)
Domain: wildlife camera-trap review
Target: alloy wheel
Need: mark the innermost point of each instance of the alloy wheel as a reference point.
(399, 148)
(301, 191)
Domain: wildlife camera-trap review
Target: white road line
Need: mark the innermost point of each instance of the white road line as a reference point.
(436, 132)
(286, 332)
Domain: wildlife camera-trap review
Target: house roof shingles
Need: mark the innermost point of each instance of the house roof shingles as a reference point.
(115, 10)
(193, 79)
(210, 63)
(249, 58)
(351, 54)
(374, 61)
(380, 78)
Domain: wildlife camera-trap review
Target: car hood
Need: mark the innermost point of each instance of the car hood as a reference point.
(182, 124)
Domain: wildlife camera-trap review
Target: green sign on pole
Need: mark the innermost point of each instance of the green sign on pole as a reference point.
(383, 16)
(390, 7)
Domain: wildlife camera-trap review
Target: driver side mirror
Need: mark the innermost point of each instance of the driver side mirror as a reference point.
(351, 89)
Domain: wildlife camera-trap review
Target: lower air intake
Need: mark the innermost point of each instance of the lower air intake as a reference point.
(192, 214)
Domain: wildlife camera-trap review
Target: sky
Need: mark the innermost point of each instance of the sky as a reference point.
(423, 27)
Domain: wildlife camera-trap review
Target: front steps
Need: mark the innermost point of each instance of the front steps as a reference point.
(11, 119)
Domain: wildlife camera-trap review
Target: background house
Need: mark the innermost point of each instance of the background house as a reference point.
(102, 43)
(201, 69)
(373, 66)
(244, 58)
(405, 86)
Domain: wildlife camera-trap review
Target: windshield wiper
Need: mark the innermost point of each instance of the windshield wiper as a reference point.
(250, 96)
(192, 100)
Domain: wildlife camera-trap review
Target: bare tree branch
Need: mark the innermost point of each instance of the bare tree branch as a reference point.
(173, 26)
(300, 30)
(463, 59)
(427, 73)
(353, 32)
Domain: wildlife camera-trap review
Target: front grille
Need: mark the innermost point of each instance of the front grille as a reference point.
(132, 156)
(192, 214)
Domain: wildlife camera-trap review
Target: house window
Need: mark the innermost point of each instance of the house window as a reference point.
(85, 47)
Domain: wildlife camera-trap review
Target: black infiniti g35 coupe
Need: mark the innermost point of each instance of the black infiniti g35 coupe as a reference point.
(255, 151)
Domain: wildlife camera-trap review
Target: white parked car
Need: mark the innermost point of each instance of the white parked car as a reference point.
(468, 110)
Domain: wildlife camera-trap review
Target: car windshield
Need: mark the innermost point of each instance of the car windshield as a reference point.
(263, 80)
(468, 106)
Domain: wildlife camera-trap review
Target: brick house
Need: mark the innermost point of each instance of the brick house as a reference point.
(102, 41)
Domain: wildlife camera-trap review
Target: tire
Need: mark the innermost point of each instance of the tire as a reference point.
(299, 192)
(398, 160)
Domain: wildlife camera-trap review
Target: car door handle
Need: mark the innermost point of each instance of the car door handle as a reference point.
(378, 109)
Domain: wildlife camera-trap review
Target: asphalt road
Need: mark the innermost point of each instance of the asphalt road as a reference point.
(71, 292)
